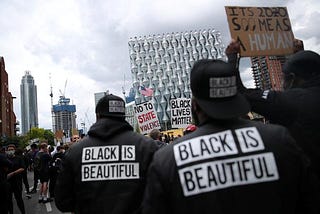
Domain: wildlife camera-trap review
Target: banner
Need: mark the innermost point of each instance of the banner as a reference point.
(147, 117)
(262, 31)
(181, 115)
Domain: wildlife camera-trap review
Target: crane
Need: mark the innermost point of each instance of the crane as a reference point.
(64, 90)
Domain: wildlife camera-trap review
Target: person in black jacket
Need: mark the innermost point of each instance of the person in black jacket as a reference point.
(106, 171)
(298, 105)
(5, 194)
(15, 178)
(229, 164)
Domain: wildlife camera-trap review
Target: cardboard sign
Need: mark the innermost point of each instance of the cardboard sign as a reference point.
(262, 31)
(181, 115)
(147, 117)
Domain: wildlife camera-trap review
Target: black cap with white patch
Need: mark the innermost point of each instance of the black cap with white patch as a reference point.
(213, 85)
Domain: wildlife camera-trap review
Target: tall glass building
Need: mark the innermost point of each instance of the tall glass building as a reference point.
(163, 64)
(29, 104)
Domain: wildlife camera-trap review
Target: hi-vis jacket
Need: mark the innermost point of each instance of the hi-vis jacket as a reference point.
(238, 166)
(105, 172)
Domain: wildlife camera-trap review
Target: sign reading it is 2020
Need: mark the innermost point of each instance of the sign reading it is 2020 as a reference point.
(262, 31)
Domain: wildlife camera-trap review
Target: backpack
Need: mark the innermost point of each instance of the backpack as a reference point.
(37, 161)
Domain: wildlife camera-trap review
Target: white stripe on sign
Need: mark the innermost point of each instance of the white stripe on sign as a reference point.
(215, 175)
(205, 147)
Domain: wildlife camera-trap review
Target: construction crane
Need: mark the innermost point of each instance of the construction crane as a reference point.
(64, 90)
(51, 95)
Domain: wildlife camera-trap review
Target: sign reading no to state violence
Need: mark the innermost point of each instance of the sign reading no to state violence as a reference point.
(262, 31)
(146, 117)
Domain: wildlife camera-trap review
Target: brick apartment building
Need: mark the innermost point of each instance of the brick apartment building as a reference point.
(7, 116)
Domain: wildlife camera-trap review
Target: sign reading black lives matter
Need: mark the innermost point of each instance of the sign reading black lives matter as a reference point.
(262, 31)
(147, 117)
(180, 112)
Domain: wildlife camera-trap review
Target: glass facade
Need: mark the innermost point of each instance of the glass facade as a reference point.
(29, 104)
(163, 63)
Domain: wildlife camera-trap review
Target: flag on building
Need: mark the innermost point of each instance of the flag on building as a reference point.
(147, 92)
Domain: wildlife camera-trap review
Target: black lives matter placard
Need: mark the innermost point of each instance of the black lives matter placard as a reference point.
(147, 117)
(262, 31)
(109, 163)
(180, 112)
(200, 172)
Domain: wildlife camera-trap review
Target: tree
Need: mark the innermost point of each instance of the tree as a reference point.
(41, 134)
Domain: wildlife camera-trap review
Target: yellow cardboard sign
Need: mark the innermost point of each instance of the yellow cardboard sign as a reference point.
(262, 31)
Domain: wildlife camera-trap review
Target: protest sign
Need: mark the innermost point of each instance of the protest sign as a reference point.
(147, 117)
(262, 31)
(180, 112)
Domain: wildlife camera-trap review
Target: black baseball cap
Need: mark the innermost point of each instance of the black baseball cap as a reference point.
(111, 106)
(305, 64)
(213, 85)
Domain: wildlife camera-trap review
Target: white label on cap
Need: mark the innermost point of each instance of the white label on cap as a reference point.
(222, 87)
(223, 92)
(219, 82)
(116, 106)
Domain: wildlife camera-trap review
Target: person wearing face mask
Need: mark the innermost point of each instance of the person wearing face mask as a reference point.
(297, 106)
(15, 178)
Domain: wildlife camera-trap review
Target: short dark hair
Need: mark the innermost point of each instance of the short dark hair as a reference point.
(154, 134)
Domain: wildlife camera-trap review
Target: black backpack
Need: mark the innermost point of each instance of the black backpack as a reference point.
(37, 161)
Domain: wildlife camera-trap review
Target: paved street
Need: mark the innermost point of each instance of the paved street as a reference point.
(32, 205)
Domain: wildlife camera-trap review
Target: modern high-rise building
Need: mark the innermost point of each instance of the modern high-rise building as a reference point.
(99, 95)
(29, 104)
(163, 63)
(64, 116)
(130, 117)
(267, 72)
(7, 116)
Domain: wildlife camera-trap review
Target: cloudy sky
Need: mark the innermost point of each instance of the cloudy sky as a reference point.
(85, 42)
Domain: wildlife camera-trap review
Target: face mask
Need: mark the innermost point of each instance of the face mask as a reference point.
(10, 153)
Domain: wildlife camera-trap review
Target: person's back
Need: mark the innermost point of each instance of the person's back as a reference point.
(246, 168)
(297, 106)
(229, 165)
(105, 172)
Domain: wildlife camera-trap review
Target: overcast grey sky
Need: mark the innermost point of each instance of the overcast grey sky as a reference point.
(86, 42)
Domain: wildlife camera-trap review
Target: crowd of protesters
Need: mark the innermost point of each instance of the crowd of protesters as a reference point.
(223, 163)
(15, 163)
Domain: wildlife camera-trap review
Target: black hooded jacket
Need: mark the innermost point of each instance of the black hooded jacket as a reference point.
(105, 172)
(297, 109)
(237, 166)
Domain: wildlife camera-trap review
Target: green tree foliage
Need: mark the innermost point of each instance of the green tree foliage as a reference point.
(41, 134)
(48, 134)
(24, 140)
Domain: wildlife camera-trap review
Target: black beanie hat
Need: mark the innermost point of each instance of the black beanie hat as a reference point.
(305, 64)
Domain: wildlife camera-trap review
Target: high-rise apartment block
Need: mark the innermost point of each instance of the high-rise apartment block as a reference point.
(163, 63)
(29, 104)
(7, 116)
(64, 116)
(267, 72)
